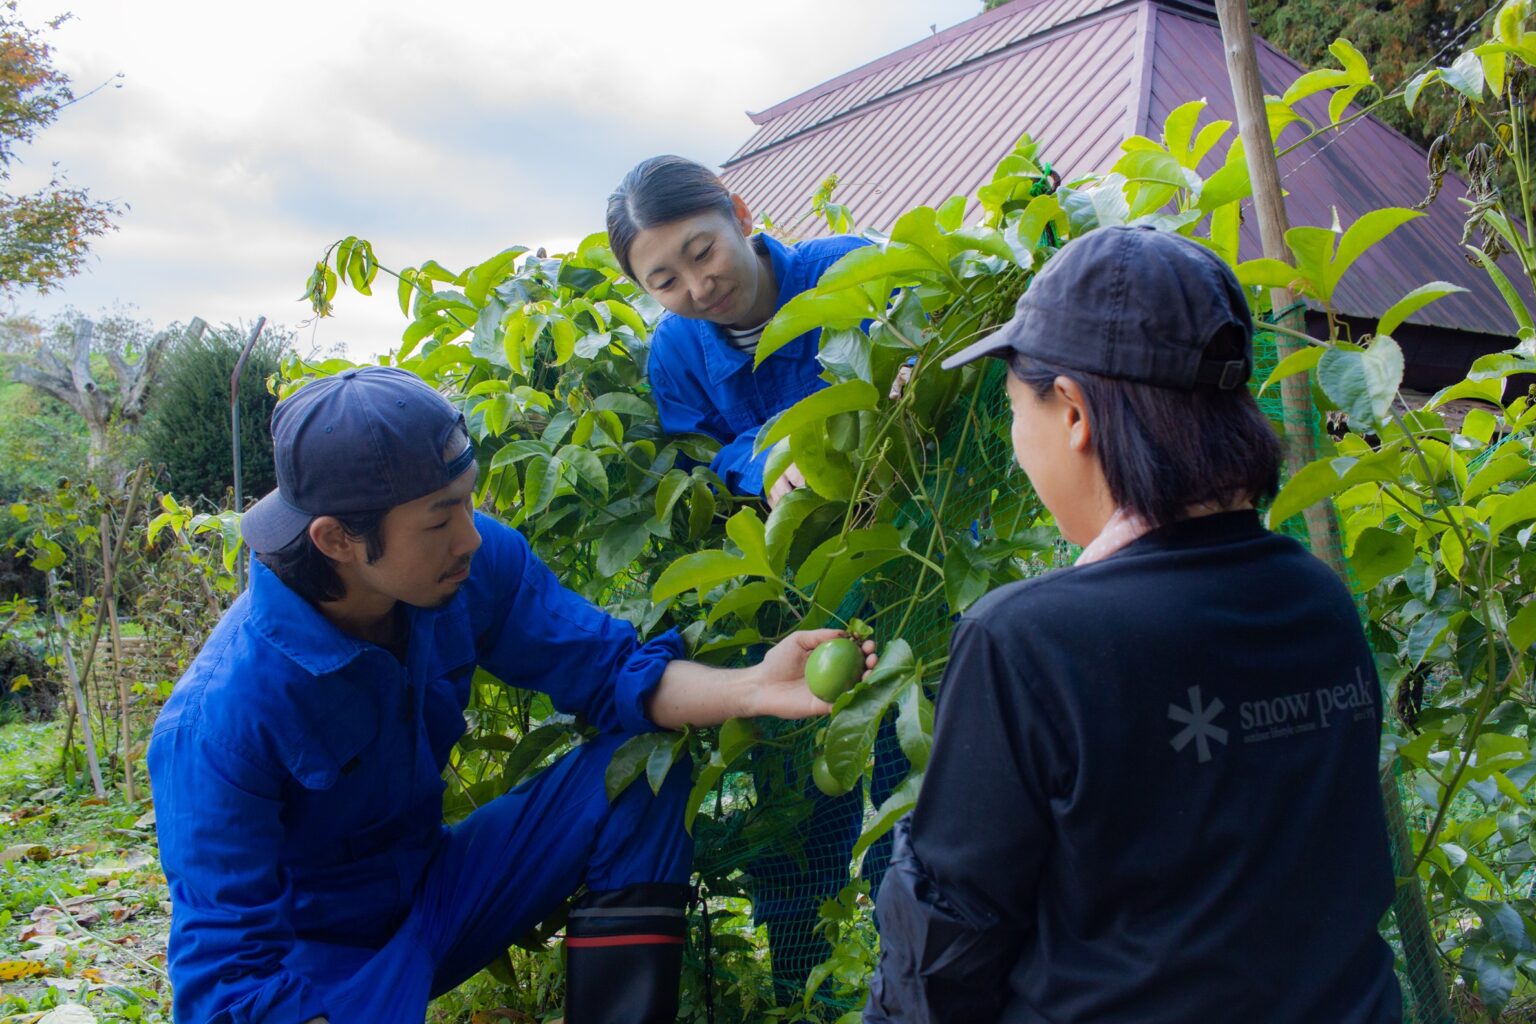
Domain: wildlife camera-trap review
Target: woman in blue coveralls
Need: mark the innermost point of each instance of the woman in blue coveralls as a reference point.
(685, 238)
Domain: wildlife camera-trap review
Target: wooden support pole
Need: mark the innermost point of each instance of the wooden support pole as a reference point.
(111, 557)
(125, 717)
(1298, 414)
(1299, 418)
(79, 694)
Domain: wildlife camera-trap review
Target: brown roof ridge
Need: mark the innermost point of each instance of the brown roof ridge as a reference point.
(1013, 9)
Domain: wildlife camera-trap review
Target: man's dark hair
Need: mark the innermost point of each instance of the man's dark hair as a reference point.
(307, 570)
(1164, 449)
(658, 191)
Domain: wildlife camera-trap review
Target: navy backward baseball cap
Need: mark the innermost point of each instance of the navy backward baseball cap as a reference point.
(1135, 304)
(362, 441)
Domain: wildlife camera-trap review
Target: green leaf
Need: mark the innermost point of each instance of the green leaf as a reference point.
(699, 571)
(914, 727)
(531, 751)
(1378, 554)
(625, 404)
(1311, 484)
(701, 509)
(868, 263)
(588, 467)
(631, 759)
(1151, 166)
(1364, 233)
(744, 601)
(1414, 301)
(1230, 183)
(485, 276)
(1506, 926)
(620, 545)
(1416, 85)
(1363, 384)
(1296, 362)
(850, 733)
(1519, 508)
(1267, 273)
(846, 307)
(966, 576)
(1351, 59)
(1465, 75)
(659, 765)
(828, 472)
(709, 777)
(746, 530)
(1179, 128)
(835, 564)
(1340, 101)
(1314, 82)
(1499, 365)
(785, 520)
(889, 813)
(1512, 298)
(541, 481)
(816, 408)
(669, 490)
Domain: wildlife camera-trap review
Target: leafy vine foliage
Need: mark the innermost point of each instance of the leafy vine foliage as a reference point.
(548, 356)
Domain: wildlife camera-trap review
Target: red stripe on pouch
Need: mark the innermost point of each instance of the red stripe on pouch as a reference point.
(625, 940)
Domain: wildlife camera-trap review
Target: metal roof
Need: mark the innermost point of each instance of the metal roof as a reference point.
(1080, 76)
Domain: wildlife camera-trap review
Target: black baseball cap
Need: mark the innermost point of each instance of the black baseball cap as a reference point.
(1132, 303)
(364, 440)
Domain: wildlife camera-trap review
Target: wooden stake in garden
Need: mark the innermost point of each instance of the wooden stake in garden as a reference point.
(1298, 414)
(79, 694)
(1299, 420)
(111, 556)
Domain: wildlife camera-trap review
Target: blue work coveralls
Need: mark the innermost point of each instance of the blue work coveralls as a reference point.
(702, 385)
(297, 776)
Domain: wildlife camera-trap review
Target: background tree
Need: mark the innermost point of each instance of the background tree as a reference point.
(186, 428)
(41, 438)
(44, 235)
(64, 363)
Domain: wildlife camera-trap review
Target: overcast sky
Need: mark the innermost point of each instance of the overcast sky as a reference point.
(247, 137)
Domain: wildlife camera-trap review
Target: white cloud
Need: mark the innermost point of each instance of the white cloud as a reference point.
(248, 137)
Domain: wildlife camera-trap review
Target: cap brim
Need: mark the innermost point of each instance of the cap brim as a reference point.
(998, 343)
(272, 524)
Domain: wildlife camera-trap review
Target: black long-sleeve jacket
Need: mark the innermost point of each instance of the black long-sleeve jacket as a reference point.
(1152, 797)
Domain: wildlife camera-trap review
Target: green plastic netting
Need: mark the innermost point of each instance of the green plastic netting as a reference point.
(785, 848)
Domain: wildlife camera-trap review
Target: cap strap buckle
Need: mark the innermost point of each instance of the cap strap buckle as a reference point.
(1233, 373)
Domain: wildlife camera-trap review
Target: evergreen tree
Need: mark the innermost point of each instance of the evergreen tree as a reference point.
(187, 429)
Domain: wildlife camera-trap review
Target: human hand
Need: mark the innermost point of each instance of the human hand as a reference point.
(790, 479)
(780, 688)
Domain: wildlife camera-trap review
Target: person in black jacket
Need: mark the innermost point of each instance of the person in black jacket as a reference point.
(1153, 791)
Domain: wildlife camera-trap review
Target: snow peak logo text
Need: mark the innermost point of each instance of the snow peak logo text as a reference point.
(1306, 711)
(1273, 718)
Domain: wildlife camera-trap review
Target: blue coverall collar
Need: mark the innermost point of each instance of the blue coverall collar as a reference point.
(721, 359)
(293, 626)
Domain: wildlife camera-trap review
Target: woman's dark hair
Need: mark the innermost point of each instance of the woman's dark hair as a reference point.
(306, 569)
(659, 190)
(1164, 449)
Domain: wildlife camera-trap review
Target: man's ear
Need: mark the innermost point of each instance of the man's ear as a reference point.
(743, 215)
(331, 538)
(1074, 409)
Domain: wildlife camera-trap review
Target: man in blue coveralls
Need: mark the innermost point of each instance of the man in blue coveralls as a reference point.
(297, 766)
